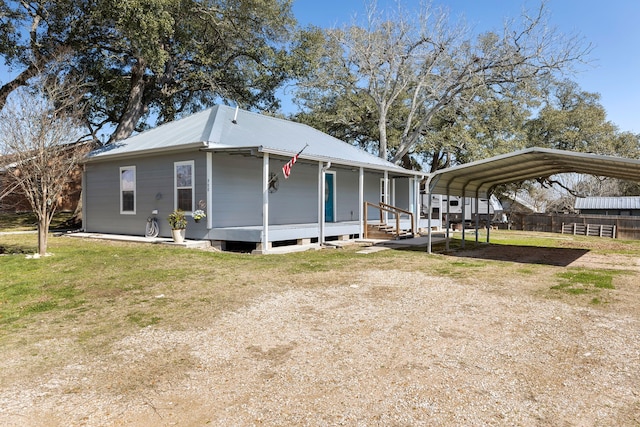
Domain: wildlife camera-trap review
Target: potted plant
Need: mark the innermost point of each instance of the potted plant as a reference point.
(198, 214)
(178, 221)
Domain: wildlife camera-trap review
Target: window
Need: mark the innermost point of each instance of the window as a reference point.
(183, 179)
(128, 190)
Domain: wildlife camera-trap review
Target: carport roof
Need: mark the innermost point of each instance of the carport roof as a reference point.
(478, 178)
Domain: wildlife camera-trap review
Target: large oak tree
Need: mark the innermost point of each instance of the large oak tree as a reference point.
(155, 59)
(408, 72)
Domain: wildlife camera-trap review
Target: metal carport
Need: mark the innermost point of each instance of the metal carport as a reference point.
(478, 179)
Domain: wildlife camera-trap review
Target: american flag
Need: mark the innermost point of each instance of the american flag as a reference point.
(286, 169)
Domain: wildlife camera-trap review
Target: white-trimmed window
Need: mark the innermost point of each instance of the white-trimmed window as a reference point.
(184, 185)
(128, 190)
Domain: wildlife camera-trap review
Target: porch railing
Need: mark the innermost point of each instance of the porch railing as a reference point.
(396, 231)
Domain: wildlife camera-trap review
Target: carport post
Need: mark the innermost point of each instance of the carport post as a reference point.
(448, 219)
(477, 212)
(429, 207)
(489, 212)
(464, 219)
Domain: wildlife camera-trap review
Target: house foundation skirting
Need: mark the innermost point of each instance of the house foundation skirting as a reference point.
(291, 232)
(301, 234)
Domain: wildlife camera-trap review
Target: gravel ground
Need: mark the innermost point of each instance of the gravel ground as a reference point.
(389, 349)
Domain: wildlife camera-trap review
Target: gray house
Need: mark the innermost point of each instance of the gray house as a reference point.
(229, 163)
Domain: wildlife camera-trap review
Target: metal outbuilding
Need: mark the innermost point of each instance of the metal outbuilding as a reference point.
(629, 205)
(478, 179)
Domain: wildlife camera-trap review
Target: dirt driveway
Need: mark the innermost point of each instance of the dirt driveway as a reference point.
(389, 348)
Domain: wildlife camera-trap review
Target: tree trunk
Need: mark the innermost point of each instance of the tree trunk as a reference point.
(20, 80)
(77, 213)
(135, 106)
(382, 129)
(43, 234)
(383, 146)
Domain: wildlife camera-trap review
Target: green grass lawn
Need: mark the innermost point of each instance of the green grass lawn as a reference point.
(95, 292)
(28, 221)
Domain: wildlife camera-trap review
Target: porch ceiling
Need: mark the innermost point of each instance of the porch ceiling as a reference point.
(481, 176)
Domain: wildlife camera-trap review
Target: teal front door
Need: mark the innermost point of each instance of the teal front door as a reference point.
(329, 190)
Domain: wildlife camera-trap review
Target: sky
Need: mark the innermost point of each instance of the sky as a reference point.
(611, 26)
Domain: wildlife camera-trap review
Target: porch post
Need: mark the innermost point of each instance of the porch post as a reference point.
(264, 238)
(209, 189)
(392, 192)
(361, 200)
(428, 190)
(321, 189)
(387, 199)
(417, 203)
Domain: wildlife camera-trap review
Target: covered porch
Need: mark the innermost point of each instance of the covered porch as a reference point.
(323, 201)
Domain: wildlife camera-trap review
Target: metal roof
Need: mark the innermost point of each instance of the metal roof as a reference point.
(223, 128)
(621, 203)
(480, 177)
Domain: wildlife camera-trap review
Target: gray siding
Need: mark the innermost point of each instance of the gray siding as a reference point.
(347, 205)
(296, 201)
(372, 192)
(402, 195)
(236, 188)
(237, 192)
(347, 202)
(154, 190)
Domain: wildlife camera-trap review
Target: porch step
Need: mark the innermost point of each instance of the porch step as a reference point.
(385, 231)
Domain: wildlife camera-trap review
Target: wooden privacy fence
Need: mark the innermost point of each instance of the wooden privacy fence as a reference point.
(626, 227)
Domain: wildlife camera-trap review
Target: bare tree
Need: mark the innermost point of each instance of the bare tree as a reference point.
(420, 65)
(41, 137)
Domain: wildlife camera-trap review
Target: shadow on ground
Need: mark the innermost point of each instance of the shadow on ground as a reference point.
(523, 254)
